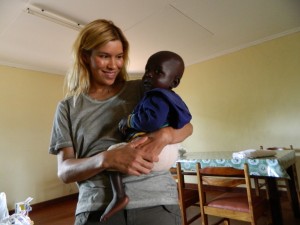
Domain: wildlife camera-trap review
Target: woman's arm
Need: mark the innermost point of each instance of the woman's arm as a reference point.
(126, 159)
(162, 137)
(178, 135)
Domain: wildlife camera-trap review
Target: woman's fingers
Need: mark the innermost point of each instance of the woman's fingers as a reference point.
(129, 160)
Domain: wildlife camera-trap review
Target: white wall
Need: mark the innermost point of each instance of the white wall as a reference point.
(28, 101)
(246, 99)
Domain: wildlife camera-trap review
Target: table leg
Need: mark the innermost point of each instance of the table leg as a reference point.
(275, 206)
(293, 189)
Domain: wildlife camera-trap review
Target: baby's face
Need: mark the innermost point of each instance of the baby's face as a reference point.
(160, 72)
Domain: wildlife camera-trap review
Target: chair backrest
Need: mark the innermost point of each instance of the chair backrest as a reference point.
(223, 179)
(181, 175)
(278, 148)
(173, 171)
(281, 148)
(187, 193)
(229, 203)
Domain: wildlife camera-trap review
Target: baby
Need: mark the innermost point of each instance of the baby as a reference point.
(160, 107)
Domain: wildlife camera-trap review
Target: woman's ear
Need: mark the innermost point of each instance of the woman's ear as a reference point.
(85, 57)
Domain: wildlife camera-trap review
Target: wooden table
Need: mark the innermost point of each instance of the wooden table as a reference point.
(269, 168)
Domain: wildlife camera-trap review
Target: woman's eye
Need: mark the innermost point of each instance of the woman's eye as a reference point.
(103, 56)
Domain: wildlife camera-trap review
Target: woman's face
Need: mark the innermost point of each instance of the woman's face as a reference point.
(105, 63)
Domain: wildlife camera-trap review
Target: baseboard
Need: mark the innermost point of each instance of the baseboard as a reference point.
(50, 202)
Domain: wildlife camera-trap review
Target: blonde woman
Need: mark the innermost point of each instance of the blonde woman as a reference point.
(86, 124)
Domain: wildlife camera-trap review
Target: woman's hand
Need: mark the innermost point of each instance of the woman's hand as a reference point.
(126, 159)
(159, 139)
(129, 159)
(134, 158)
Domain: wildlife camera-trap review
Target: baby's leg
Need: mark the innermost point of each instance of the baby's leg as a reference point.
(167, 157)
(120, 199)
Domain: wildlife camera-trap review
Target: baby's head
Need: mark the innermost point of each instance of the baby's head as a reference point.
(164, 69)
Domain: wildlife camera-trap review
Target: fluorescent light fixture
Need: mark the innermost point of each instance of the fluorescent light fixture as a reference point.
(45, 14)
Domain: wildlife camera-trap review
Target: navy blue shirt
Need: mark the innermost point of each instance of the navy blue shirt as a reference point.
(158, 108)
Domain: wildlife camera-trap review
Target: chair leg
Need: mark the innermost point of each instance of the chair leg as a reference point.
(256, 186)
(183, 216)
(204, 219)
(288, 191)
(296, 180)
(226, 222)
(295, 175)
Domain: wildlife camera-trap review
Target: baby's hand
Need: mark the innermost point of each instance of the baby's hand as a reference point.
(123, 126)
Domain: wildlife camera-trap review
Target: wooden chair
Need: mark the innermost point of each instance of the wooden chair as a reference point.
(187, 194)
(232, 202)
(282, 184)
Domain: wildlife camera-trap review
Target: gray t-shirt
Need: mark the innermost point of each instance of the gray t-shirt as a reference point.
(91, 127)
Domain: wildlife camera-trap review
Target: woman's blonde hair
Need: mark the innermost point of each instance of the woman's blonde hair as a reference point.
(93, 35)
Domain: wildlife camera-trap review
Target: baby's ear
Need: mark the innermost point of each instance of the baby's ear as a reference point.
(175, 82)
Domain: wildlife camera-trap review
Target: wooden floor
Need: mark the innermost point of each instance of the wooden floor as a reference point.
(61, 212)
(57, 212)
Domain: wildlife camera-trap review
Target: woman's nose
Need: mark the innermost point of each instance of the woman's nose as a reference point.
(112, 64)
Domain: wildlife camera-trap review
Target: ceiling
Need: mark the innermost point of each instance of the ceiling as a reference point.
(196, 29)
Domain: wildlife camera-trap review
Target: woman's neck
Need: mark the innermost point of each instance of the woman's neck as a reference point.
(105, 92)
